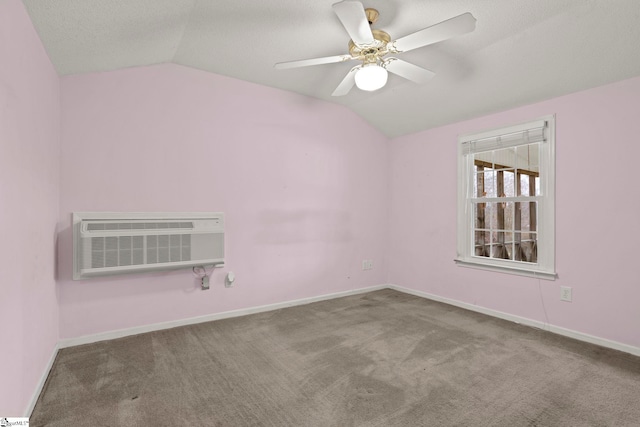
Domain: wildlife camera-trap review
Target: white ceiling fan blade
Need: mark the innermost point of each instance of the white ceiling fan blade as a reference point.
(354, 20)
(456, 26)
(347, 83)
(408, 71)
(314, 61)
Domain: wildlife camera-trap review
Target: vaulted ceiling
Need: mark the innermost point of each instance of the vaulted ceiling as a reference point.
(521, 51)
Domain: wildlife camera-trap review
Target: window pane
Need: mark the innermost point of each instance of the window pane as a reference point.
(490, 183)
(509, 183)
(491, 216)
(483, 163)
(499, 251)
(480, 215)
(481, 236)
(482, 250)
(509, 250)
(481, 244)
(509, 208)
(524, 185)
(508, 237)
(527, 248)
(525, 216)
(528, 218)
(476, 184)
(533, 216)
(479, 183)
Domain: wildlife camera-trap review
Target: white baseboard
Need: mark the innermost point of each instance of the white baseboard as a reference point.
(40, 386)
(525, 321)
(88, 339)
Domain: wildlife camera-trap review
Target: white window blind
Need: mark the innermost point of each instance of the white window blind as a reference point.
(527, 133)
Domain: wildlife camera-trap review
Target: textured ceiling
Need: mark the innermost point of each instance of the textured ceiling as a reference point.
(522, 51)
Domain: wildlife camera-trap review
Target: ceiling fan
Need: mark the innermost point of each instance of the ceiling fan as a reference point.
(371, 47)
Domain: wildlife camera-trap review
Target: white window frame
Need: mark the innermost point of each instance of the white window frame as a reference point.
(545, 266)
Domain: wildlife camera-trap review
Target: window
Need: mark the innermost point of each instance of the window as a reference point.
(506, 183)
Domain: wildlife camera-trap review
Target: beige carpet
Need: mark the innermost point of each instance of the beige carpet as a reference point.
(378, 359)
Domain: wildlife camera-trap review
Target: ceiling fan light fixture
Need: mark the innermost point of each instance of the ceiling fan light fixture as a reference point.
(371, 77)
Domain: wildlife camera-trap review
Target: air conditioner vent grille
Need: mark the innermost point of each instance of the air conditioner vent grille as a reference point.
(117, 251)
(116, 226)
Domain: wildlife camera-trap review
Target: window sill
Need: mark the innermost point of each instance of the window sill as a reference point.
(507, 270)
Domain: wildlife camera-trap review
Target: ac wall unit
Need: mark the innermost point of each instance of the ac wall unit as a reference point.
(118, 243)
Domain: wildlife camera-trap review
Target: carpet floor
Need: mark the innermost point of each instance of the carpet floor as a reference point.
(383, 358)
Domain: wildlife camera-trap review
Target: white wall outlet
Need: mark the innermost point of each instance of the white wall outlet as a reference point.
(229, 280)
(204, 283)
(565, 293)
(367, 264)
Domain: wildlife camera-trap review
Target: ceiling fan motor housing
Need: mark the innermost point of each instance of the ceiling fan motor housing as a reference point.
(374, 51)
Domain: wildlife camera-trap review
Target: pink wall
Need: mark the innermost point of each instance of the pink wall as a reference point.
(597, 211)
(303, 185)
(29, 193)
